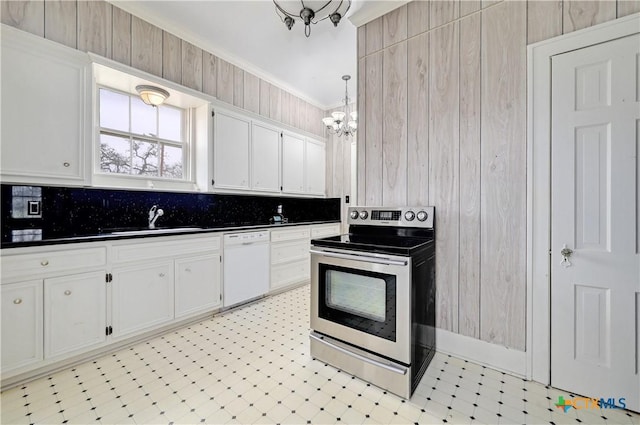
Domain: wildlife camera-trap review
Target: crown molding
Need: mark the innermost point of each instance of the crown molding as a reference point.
(206, 45)
(373, 10)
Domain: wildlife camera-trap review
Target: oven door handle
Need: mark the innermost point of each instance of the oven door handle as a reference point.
(391, 368)
(367, 259)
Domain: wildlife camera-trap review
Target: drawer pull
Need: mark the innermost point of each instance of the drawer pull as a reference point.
(161, 275)
(67, 292)
(17, 301)
(44, 263)
(66, 164)
(188, 270)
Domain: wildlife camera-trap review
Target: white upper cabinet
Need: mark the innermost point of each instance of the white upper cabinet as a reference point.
(265, 158)
(257, 156)
(315, 167)
(44, 110)
(231, 151)
(293, 163)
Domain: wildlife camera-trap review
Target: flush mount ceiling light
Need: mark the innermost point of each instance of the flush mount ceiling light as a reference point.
(311, 12)
(151, 95)
(337, 123)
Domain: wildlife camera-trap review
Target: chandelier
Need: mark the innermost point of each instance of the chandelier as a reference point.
(337, 123)
(311, 12)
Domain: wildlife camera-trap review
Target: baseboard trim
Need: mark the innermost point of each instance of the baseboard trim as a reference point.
(495, 356)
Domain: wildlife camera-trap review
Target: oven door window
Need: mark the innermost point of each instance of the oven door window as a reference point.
(359, 299)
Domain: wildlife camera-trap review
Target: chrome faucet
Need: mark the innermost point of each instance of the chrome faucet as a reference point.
(154, 213)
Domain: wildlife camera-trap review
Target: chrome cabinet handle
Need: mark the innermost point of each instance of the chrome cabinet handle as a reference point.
(44, 263)
(66, 164)
(67, 292)
(17, 301)
(161, 275)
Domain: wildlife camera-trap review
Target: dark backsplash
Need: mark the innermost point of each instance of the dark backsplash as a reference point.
(68, 212)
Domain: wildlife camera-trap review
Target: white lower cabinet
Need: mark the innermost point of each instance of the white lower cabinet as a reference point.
(22, 337)
(289, 257)
(75, 310)
(142, 297)
(325, 230)
(197, 284)
(283, 275)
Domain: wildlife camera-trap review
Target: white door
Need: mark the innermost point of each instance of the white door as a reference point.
(595, 203)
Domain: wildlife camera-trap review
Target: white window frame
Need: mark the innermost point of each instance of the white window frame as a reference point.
(185, 144)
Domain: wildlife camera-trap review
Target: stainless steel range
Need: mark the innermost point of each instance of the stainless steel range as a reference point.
(373, 296)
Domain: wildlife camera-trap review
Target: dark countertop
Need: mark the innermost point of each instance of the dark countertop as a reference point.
(154, 233)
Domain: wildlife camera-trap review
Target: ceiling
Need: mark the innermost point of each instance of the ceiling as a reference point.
(251, 35)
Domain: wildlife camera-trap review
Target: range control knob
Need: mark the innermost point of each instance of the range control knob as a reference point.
(354, 214)
(364, 215)
(422, 215)
(409, 215)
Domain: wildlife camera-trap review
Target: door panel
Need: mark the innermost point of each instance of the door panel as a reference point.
(593, 337)
(592, 167)
(595, 113)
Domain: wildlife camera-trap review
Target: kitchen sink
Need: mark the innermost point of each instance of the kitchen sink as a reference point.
(147, 231)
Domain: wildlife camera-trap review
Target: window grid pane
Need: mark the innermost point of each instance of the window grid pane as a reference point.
(160, 151)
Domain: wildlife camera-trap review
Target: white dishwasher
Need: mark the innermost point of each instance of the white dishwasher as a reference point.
(246, 266)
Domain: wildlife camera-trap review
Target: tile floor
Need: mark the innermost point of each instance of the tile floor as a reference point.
(252, 365)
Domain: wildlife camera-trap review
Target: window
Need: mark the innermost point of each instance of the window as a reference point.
(141, 140)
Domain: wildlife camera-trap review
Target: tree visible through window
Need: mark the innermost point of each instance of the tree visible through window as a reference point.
(138, 139)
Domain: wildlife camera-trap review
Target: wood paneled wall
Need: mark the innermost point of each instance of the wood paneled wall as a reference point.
(99, 27)
(338, 172)
(442, 107)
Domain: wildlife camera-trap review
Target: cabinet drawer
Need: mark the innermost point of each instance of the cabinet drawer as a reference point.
(284, 252)
(324, 231)
(289, 234)
(173, 248)
(52, 261)
(290, 273)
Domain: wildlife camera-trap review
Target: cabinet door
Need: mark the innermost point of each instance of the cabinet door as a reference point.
(197, 285)
(75, 312)
(315, 167)
(283, 275)
(44, 105)
(231, 151)
(292, 163)
(142, 297)
(21, 324)
(265, 158)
